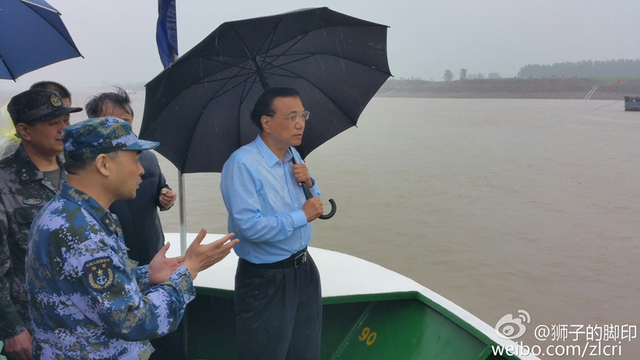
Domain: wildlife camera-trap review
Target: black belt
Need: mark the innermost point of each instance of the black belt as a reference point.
(294, 260)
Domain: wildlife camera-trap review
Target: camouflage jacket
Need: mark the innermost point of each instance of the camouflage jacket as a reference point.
(23, 192)
(87, 299)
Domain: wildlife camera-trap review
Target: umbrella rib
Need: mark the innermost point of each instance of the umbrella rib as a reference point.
(55, 62)
(300, 38)
(8, 70)
(271, 37)
(241, 67)
(42, 7)
(295, 75)
(253, 57)
(245, 93)
(231, 77)
(218, 94)
(330, 55)
(72, 44)
(281, 66)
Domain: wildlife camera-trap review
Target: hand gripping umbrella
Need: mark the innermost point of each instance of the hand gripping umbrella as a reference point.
(32, 35)
(199, 107)
(308, 195)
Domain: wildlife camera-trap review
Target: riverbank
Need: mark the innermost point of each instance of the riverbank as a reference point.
(557, 88)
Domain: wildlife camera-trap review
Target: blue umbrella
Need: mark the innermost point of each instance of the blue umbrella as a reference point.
(32, 36)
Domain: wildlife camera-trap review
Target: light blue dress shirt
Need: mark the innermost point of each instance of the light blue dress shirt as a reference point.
(264, 202)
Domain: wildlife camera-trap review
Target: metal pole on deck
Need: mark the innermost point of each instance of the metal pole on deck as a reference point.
(183, 214)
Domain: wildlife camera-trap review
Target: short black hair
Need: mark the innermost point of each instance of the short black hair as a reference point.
(118, 98)
(264, 104)
(53, 86)
(73, 167)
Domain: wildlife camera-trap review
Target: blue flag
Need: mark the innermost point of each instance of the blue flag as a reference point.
(167, 32)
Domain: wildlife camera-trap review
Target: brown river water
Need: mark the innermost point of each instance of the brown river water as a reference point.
(499, 205)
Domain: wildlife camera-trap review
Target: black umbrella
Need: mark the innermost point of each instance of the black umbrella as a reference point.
(199, 107)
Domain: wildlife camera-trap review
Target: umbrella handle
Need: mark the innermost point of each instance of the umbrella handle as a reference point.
(308, 195)
(334, 207)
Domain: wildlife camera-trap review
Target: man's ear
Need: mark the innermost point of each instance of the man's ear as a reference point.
(104, 164)
(22, 130)
(265, 120)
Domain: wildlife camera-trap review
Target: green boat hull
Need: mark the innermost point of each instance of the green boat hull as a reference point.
(400, 326)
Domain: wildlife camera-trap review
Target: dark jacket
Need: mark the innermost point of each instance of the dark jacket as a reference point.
(139, 217)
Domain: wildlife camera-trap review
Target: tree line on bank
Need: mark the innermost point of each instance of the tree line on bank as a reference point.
(623, 68)
(464, 75)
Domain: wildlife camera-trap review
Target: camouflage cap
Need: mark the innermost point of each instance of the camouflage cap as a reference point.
(90, 138)
(37, 105)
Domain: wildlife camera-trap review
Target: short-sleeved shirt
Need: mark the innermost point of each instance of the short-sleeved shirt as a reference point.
(86, 297)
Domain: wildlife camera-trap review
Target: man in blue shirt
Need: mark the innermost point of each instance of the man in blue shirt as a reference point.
(278, 299)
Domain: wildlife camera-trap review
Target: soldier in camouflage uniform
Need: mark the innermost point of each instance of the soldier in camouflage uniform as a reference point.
(8, 145)
(29, 178)
(86, 297)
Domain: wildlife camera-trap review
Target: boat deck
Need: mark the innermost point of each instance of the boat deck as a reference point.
(370, 312)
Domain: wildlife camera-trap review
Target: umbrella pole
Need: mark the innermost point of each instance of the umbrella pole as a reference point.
(183, 214)
(308, 195)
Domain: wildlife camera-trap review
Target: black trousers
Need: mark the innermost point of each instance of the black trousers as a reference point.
(279, 312)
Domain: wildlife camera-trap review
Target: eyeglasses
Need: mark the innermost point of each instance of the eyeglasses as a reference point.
(293, 118)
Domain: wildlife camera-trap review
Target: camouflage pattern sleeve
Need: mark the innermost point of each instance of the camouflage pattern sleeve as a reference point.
(141, 274)
(11, 323)
(111, 288)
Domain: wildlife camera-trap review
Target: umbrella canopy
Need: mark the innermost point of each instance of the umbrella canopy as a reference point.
(32, 36)
(199, 107)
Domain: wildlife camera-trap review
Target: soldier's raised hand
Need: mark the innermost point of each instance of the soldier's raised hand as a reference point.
(162, 267)
(200, 257)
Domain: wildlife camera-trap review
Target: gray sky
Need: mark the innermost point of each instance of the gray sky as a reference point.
(117, 37)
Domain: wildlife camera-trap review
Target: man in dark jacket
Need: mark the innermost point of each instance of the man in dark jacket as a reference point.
(139, 217)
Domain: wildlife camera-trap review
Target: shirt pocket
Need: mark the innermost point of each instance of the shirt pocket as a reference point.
(24, 217)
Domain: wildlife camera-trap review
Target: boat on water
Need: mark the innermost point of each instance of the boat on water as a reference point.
(369, 312)
(632, 103)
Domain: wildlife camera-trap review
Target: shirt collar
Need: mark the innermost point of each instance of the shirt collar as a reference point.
(269, 157)
(26, 170)
(105, 218)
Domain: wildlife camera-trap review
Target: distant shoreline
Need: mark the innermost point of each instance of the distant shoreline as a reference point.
(557, 88)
